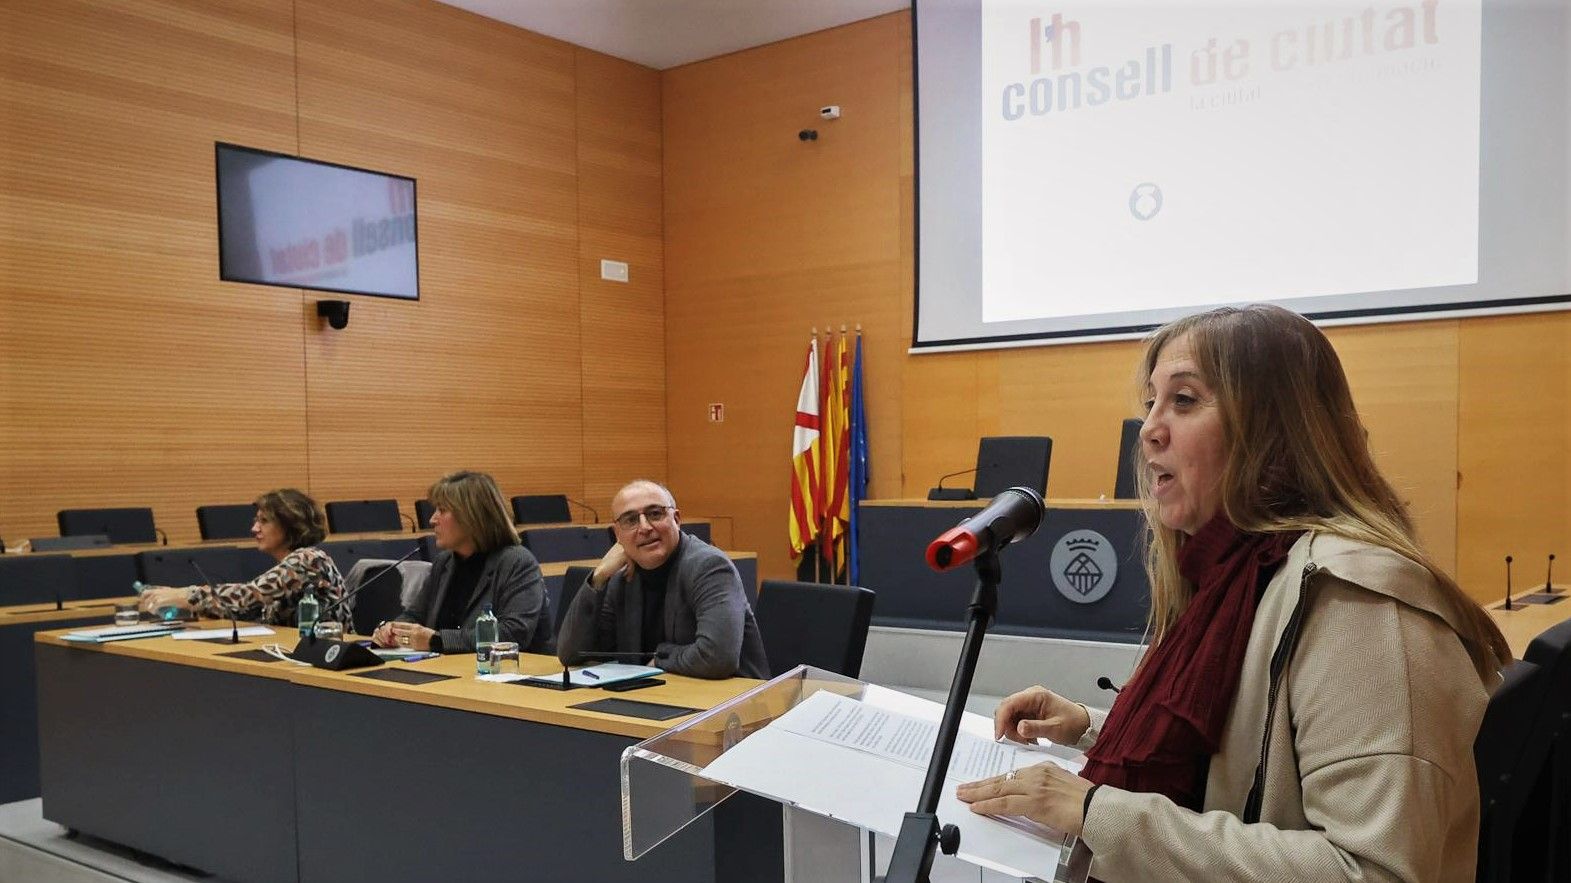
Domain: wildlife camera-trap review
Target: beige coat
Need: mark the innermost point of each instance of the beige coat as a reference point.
(1369, 768)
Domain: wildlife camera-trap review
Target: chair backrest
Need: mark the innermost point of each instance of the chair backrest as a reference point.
(424, 509)
(225, 521)
(363, 516)
(699, 529)
(814, 624)
(69, 544)
(572, 580)
(541, 509)
(37, 579)
(125, 525)
(178, 567)
(1126, 485)
(1506, 770)
(379, 588)
(1008, 460)
(570, 542)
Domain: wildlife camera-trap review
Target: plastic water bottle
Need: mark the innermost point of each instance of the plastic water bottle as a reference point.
(310, 609)
(485, 635)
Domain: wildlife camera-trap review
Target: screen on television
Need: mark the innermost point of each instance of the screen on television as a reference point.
(302, 223)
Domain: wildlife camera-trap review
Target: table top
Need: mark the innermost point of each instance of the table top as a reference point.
(462, 693)
(1524, 622)
(1054, 503)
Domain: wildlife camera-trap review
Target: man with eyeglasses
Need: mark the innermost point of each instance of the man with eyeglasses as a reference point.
(663, 593)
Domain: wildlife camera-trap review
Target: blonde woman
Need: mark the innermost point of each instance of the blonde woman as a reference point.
(481, 563)
(288, 526)
(1307, 708)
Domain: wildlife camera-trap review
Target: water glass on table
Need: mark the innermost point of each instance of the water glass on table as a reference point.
(504, 658)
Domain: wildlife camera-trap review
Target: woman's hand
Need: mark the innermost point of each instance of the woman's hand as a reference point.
(1038, 712)
(1045, 793)
(410, 635)
(154, 600)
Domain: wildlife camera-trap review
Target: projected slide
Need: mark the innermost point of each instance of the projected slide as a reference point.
(1153, 156)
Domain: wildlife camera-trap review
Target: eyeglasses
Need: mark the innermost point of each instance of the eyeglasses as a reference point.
(652, 514)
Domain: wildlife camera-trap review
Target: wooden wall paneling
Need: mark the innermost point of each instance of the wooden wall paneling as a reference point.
(1513, 446)
(1404, 381)
(1078, 395)
(767, 237)
(483, 371)
(624, 332)
(131, 376)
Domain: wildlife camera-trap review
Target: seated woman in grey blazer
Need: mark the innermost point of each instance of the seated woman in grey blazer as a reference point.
(481, 563)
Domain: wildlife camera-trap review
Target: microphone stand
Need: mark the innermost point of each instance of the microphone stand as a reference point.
(912, 859)
(234, 625)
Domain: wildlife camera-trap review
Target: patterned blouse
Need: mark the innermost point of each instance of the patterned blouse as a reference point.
(272, 597)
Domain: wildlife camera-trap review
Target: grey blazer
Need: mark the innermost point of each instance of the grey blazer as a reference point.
(510, 581)
(709, 628)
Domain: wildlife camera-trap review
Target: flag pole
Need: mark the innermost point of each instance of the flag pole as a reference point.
(818, 546)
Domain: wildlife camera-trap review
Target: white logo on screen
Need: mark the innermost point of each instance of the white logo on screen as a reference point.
(1145, 201)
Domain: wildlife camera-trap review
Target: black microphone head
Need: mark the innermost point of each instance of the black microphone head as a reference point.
(1034, 509)
(1508, 559)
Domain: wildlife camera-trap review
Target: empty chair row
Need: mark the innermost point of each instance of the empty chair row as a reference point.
(86, 528)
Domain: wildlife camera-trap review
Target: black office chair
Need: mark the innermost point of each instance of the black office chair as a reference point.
(1508, 767)
(363, 516)
(37, 579)
(226, 522)
(423, 512)
(572, 581)
(69, 544)
(127, 525)
(824, 626)
(1010, 460)
(1551, 651)
(1126, 486)
(379, 588)
(541, 509)
(570, 542)
(189, 567)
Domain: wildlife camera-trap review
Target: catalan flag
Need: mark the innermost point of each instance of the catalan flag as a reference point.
(836, 450)
(805, 484)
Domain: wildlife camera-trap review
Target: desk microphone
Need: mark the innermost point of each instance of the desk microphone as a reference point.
(413, 528)
(594, 517)
(952, 493)
(1549, 577)
(1508, 582)
(234, 627)
(1013, 515)
(1106, 683)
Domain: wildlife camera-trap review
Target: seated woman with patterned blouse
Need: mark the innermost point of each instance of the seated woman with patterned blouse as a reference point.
(288, 526)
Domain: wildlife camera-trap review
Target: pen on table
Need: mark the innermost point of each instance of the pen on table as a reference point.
(420, 656)
(589, 674)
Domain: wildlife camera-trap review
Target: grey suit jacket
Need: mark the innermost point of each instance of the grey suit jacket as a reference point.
(510, 581)
(709, 628)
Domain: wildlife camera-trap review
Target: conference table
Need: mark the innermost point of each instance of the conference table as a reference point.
(1524, 622)
(219, 758)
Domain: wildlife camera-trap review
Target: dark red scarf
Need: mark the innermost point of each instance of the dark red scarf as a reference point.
(1167, 722)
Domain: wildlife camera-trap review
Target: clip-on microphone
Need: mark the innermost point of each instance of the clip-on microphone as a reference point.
(234, 626)
(1106, 683)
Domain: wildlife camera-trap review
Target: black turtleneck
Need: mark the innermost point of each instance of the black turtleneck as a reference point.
(653, 585)
(466, 575)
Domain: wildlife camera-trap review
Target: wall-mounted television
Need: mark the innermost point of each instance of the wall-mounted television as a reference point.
(303, 223)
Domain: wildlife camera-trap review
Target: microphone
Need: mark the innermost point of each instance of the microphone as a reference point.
(952, 493)
(234, 627)
(158, 530)
(1013, 515)
(594, 517)
(1549, 577)
(1508, 582)
(1106, 683)
(413, 528)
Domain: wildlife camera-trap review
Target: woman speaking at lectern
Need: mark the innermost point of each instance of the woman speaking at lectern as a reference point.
(1307, 707)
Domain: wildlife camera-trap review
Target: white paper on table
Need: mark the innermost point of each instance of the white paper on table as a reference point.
(867, 770)
(250, 631)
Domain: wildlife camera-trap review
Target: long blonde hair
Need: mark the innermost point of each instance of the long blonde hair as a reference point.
(1297, 457)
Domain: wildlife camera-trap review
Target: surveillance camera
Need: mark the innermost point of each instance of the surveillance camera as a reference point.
(830, 112)
(808, 135)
